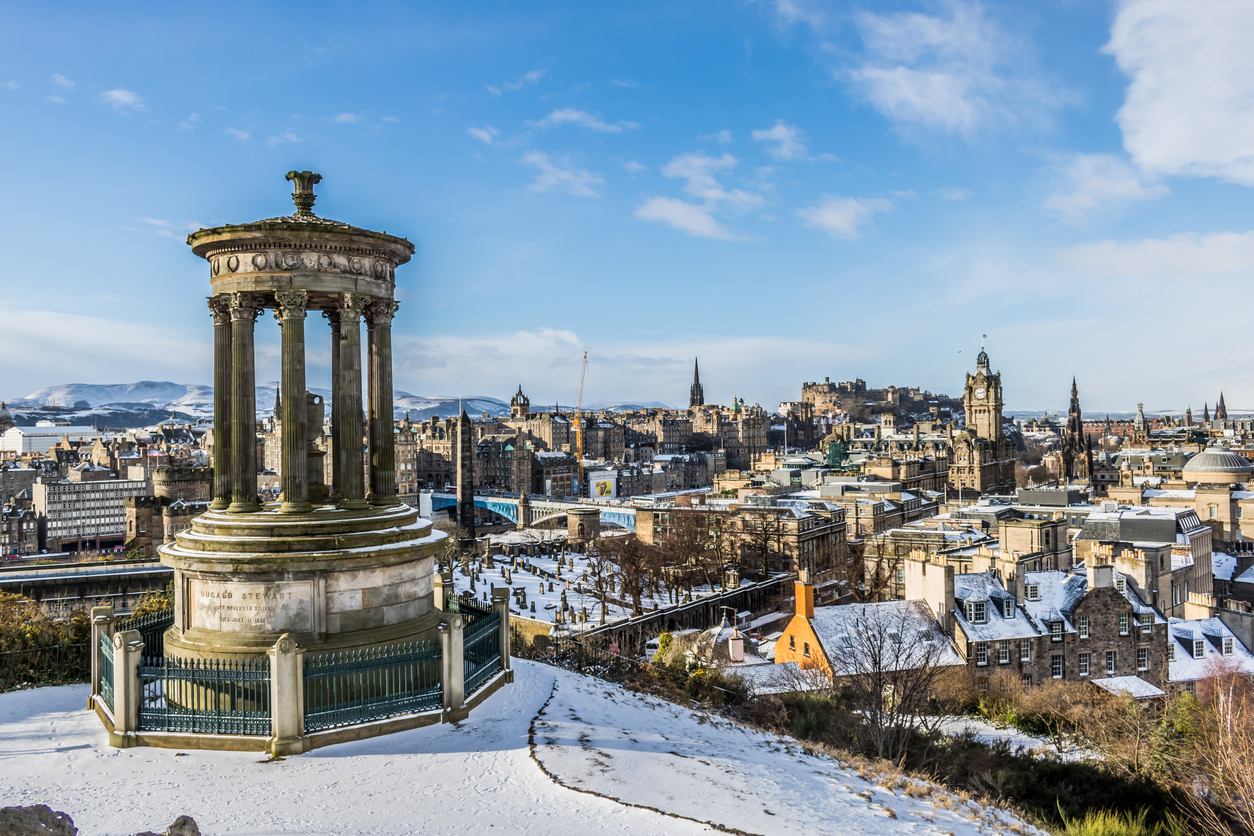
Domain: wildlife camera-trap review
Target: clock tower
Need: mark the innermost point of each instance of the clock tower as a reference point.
(982, 400)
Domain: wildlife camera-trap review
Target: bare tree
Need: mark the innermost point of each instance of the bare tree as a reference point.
(881, 558)
(1223, 786)
(763, 532)
(891, 662)
(636, 566)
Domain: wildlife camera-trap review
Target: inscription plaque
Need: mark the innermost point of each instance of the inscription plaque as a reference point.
(235, 607)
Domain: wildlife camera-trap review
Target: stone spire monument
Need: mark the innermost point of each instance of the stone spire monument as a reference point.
(340, 569)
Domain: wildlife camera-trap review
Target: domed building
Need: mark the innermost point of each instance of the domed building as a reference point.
(1217, 465)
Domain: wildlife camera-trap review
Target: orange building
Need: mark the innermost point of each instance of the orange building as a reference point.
(799, 643)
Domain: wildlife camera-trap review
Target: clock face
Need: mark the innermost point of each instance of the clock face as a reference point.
(979, 392)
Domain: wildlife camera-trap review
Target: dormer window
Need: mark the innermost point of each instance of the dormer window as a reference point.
(1171, 650)
(1008, 608)
(1121, 584)
(1033, 592)
(1055, 631)
(1228, 646)
(1199, 649)
(977, 612)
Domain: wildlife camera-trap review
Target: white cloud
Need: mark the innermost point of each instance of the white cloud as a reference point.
(954, 71)
(54, 342)
(908, 194)
(487, 133)
(723, 137)
(788, 139)
(280, 139)
(532, 77)
(55, 99)
(570, 116)
(389, 118)
(187, 123)
(1176, 256)
(842, 217)
(173, 230)
(955, 193)
(687, 217)
(238, 134)
(12, 85)
(561, 176)
(1191, 69)
(628, 83)
(347, 118)
(633, 167)
(699, 171)
(62, 81)
(1098, 180)
(123, 101)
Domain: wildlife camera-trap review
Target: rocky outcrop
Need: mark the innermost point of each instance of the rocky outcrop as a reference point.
(42, 820)
(37, 820)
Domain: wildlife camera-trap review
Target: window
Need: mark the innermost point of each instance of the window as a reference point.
(792, 642)
(1027, 679)
(981, 653)
(1055, 631)
(1123, 624)
(1110, 663)
(806, 651)
(1191, 687)
(1082, 624)
(1033, 592)
(1171, 650)
(1025, 650)
(1228, 648)
(1003, 653)
(901, 576)
(977, 612)
(1084, 664)
(1055, 666)
(982, 685)
(1142, 658)
(1199, 650)
(1008, 608)
(1147, 623)
(1121, 584)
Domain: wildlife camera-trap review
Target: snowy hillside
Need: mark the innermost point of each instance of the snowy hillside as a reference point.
(156, 393)
(553, 753)
(418, 407)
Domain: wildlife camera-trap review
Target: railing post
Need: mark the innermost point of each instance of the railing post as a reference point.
(500, 604)
(287, 697)
(101, 625)
(128, 648)
(452, 668)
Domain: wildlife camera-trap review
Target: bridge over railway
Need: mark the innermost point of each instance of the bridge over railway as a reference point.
(59, 588)
(543, 508)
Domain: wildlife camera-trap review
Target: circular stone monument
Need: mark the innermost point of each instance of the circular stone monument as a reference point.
(337, 566)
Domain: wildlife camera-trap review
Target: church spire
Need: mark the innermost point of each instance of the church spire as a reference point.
(1221, 409)
(1205, 413)
(696, 395)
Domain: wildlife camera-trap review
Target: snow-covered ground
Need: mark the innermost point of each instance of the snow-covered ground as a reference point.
(991, 734)
(474, 777)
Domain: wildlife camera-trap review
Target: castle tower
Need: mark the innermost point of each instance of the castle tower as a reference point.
(696, 395)
(352, 574)
(982, 400)
(519, 405)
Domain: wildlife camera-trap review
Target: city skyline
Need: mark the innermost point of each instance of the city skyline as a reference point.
(787, 191)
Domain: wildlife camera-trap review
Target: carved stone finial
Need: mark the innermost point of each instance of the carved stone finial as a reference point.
(304, 196)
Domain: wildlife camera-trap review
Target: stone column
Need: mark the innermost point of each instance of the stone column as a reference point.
(244, 308)
(500, 605)
(453, 668)
(101, 625)
(287, 697)
(218, 306)
(128, 646)
(382, 433)
(295, 466)
(337, 477)
(348, 405)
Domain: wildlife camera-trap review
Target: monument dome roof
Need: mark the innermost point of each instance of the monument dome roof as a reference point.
(1218, 464)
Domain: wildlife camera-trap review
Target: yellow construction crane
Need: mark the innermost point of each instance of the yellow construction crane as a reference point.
(579, 430)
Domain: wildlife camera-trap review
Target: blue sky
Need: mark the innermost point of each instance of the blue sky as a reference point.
(789, 190)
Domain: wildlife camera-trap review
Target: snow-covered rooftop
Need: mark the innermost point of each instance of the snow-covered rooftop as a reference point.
(1133, 686)
(1215, 638)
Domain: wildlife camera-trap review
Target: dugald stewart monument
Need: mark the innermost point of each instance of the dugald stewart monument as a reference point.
(316, 618)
